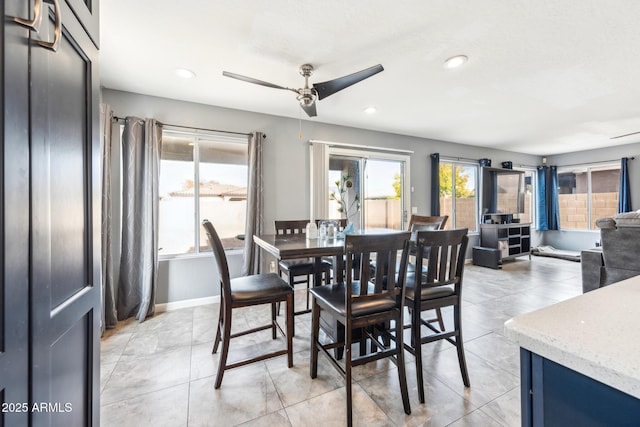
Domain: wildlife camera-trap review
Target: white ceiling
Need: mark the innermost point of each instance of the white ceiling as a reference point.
(543, 76)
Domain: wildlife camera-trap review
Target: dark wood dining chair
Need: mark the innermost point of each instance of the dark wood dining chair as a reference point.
(421, 223)
(439, 287)
(437, 222)
(247, 291)
(363, 304)
(299, 271)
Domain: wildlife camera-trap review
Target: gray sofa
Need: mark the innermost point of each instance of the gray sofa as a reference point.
(618, 258)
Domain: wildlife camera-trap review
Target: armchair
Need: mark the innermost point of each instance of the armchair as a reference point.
(618, 259)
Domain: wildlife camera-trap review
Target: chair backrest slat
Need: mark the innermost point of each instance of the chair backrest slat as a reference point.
(447, 262)
(364, 270)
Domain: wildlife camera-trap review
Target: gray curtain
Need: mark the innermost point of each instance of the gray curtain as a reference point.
(251, 261)
(141, 148)
(109, 319)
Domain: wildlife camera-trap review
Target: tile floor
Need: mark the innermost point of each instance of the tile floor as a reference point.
(161, 372)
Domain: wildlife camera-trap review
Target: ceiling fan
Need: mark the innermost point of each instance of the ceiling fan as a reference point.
(307, 95)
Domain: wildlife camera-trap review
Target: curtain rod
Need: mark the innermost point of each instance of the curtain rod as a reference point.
(477, 160)
(595, 163)
(458, 158)
(368, 147)
(119, 119)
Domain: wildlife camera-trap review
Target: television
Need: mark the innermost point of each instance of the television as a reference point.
(502, 195)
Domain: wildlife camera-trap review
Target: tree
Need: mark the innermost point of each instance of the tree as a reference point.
(397, 185)
(461, 181)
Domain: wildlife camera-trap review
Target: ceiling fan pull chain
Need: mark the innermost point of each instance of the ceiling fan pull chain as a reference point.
(300, 124)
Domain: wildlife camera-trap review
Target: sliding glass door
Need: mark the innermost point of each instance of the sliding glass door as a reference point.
(368, 188)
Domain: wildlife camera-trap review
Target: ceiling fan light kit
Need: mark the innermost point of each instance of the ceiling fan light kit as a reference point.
(307, 95)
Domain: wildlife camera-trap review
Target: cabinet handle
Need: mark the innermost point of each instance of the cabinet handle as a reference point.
(37, 17)
(57, 31)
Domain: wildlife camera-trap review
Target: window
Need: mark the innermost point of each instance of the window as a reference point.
(528, 214)
(458, 184)
(201, 176)
(587, 193)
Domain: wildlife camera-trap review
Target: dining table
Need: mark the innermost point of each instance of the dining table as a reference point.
(294, 246)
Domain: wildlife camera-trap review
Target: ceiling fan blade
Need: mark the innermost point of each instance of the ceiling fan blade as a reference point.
(330, 87)
(622, 136)
(310, 109)
(254, 81)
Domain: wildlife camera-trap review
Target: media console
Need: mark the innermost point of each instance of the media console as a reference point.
(502, 241)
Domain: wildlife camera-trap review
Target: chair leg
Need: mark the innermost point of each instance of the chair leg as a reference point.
(338, 352)
(293, 303)
(308, 293)
(417, 345)
(372, 344)
(363, 342)
(460, 346)
(226, 337)
(289, 277)
(221, 322)
(347, 368)
(386, 340)
(315, 336)
(439, 317)
(273, 320)
(402, 373)
(290, 323)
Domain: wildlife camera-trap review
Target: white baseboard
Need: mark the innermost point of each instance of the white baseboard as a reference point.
(170, 306)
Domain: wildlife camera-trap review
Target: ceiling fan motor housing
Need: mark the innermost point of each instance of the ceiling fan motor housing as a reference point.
(307, 96)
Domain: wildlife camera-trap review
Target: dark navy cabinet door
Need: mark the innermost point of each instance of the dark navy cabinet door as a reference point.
(14, 217)
(50, 234)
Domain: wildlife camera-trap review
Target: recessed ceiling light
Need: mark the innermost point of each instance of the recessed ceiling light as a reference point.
(185, 74)
(455, 61)
(370, 110)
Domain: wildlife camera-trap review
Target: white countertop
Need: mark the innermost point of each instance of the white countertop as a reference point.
(596, 334)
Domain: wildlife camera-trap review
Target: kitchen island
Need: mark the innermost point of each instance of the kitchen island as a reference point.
(580, 359)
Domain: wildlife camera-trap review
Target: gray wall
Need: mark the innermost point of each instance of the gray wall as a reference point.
(286, 170)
